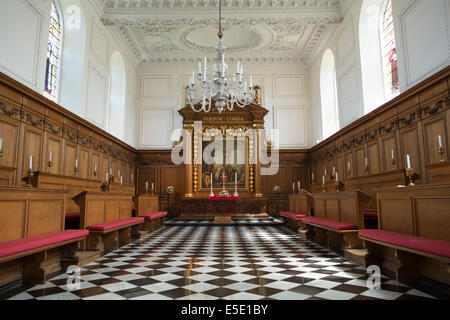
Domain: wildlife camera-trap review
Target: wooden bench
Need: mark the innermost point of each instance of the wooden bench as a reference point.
(33, 242)
(154, 220)
(337, 217)
(414, 233)
(108, 217)
(73, 185)
(300, 206)
(146, 203)
(109, 236)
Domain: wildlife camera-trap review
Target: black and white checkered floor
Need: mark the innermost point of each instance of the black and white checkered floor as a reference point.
(218, 262)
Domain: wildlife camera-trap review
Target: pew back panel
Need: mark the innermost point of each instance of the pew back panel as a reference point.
(422, 211)
(99, 207)
(26, 212)
(341, 206)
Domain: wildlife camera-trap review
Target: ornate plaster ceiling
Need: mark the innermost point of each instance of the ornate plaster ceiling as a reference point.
(171, 31)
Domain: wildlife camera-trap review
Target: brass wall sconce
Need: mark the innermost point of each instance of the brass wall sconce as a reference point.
(411, 175)
(30, 176)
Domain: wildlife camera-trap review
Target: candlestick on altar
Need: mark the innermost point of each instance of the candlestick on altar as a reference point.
(236, 194)
(299, 186)
(153, 188)
(146, 187)
(293, 187)
(211, 194)
(408, 162)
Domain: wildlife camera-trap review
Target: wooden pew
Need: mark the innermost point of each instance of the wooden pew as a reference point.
(74, 186)
(337, 217)
(300, 206)
(108, 217)
(414, 233)
(147, 206)
(33, 242)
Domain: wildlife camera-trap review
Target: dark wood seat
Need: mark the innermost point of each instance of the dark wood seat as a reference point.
(154, 220)
(109, 236)
(338, 216)
(107, 215)
(33, 242)
(413, 238)
(34, 252)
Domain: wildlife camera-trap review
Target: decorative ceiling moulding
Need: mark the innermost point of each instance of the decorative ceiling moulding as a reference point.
(256, 31)
(113, 5)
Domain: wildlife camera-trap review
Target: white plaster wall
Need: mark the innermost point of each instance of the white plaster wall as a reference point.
(85, 83)
(285, 93)
(422, 31)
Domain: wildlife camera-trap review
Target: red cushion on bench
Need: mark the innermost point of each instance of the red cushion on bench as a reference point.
(154, 215)
(371, 214)
(336, 225)
(437, 247)
(8, 248)
(114, 224)
(292, 215)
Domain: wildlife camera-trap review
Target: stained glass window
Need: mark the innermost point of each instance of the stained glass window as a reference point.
(390, 61)
(53, 55)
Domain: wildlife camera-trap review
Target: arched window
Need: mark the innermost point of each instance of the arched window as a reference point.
(117, 95)
(389, 52)
(328, 93)
(53, 55)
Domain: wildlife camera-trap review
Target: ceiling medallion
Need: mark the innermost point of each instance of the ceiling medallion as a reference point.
(225, 91)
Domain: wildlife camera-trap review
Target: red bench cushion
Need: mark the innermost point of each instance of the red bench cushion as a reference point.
(292, 215)
(437, 247)
(20, 245)
(154, 215)
(371, 214)
(114, 224)
(336, 225)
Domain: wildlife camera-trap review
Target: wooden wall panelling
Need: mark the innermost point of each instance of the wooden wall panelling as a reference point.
(10, 133)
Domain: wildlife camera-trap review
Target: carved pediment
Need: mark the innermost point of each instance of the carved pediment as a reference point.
(250, 116)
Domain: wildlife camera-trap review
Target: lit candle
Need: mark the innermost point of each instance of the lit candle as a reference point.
(206, 65)
(299, 185)
(325, 171)
(121, 180)
(238, 66)
(334, 170)
(199, 67)
(118, 173)
(50, 156)
(245, 87)
(392, 154)
(153, 187)
(366, 161)
(312, 176)
(76, 163)
(31, 162)
(439, 142)
(251, 81)
(110, 171)
(95, 168)
(193, 77)
(408, 161)
(348, 166)
(337, 176)
(132, 178)
(323, 179)
(146, 186)
(107, 176)
(293, 186)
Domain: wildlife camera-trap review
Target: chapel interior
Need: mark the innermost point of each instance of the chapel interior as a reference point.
(334, 185)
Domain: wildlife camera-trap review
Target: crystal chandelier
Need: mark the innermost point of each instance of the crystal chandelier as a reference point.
(218, 86)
